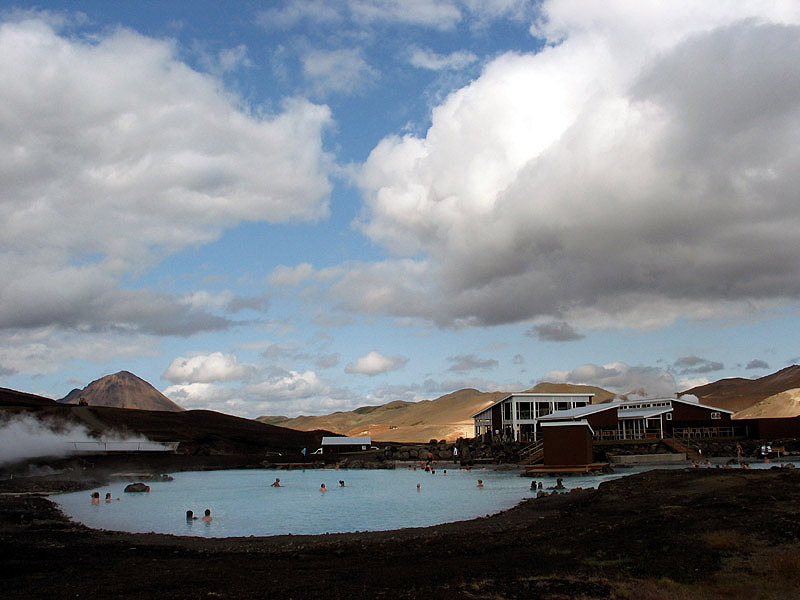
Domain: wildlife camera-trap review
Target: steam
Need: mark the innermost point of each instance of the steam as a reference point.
(24, 437)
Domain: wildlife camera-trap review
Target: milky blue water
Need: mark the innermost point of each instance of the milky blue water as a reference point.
(242, 502)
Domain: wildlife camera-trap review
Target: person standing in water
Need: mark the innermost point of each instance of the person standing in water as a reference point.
(277, 482)
(322, 488)
(207, 516)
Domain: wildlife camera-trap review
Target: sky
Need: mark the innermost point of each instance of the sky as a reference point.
(283, 208)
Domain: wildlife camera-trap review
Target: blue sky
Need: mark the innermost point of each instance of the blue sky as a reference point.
(302, 207)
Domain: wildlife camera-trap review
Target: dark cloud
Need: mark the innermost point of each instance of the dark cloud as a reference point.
(557, 331)
(256, 303)
(697, 365)
(327, 361)
(470, 362)
(757, 364)
(5, 371)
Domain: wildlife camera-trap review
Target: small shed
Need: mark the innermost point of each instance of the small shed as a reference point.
(341, 445)
(567, 443)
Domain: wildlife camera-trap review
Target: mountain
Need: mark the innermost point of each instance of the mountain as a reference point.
(202, 433)
(784, 404)
(122, 390)
(446, 418)
(738, 394)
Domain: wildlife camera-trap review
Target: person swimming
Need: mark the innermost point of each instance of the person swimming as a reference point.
(95, 497)
(322, 488)
(190, 516)
(480, 483)
(341, 483)
(207, 516)
(277, 482)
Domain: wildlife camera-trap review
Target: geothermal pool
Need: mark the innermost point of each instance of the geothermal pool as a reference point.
(242, 502)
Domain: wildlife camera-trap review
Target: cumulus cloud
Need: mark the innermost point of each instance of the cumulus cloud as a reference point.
(376, 363)
(641, 167)
(470, 362)
(558, 331)
(289, 385)
(208, 368)
(619, 378)
(154, 151)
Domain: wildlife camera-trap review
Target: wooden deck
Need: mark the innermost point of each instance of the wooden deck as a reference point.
(572, 469)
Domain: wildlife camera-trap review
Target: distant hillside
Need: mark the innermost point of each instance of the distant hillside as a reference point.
(200, 432)
(783, 404)
(446, 418)
(737, 393)
(600, 395)
(122, 390)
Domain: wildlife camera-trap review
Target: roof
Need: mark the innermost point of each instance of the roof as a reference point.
(347, 441)
(534, 395)
(580, 411)
(643, 413)
(569, 423)
(706, 406)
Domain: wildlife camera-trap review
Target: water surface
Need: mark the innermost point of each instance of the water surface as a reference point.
(243, 503)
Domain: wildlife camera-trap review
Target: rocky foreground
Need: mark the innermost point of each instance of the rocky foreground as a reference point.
(702, 533)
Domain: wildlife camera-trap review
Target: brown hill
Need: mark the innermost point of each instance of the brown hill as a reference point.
(446, 418)
(782, 405)
(122, 390)
(737, 393)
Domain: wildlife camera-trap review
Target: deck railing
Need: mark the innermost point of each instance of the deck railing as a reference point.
(684, 433)
(124, 446)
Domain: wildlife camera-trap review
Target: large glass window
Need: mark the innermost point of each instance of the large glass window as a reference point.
(542, 409)
(524, 411)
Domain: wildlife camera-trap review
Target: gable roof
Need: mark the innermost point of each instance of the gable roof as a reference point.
(579, 412)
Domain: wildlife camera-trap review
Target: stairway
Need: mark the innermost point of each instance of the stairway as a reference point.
(530, 455)
(682, 447)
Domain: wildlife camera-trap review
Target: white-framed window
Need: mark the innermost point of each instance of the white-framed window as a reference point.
(716, 415)
(668, 416)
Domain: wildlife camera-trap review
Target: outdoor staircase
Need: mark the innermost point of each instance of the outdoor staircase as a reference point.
(682, 447)
(532, 454)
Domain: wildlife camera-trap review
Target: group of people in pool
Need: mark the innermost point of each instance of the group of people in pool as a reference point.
(206, 516)
(96, 498)
(322, 488)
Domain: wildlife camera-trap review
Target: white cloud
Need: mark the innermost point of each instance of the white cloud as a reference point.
(436, 14)
(289, 386)
(425, 58)
(44, 350)
(290, 276)
(375, 363)
(620, 378)
(208, 368)
(646, 160)
(106, 169)
(337, 71)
